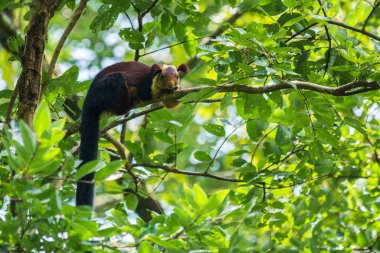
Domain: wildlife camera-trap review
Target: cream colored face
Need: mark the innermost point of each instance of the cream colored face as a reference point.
(169, 78)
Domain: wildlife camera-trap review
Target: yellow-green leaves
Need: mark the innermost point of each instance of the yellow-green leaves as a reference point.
(200, 196)
(42, 118)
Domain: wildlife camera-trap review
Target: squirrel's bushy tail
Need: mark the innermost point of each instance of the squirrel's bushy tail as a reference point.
(89, 132)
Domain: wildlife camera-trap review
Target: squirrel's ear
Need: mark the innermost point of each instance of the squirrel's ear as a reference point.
(183, 68)
(155, 69)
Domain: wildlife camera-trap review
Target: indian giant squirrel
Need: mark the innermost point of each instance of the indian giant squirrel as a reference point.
(116, 89)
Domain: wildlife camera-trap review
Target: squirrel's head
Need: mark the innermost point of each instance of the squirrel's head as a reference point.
(167, 76)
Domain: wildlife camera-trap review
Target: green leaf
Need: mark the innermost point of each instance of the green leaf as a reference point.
(163, 137)
(215, 129)
(119, 218)
(272, 151)
(324, 167)
(291, 3)
(217, 198)
(255, 129)
(131, 201)
(191, 46)
(146, 247)
(316, 150)
(105, 18)
(56, 133)
(238, 162)
(13, 43)
(88, 168)
(349, 55)
(200, 196)
(179, 31)
(247, 69)
(7, 94)
(207, 81)
(22, 153)
(29, 139)
(319, 18)
(66, 82)
(42, 118)
(133, 36)
(277, 98)
(293, 21)
(209, 48)
(202, 156)
(283, 135)
(5, 3)
(376, 45)
(356, 124)
(328, 138)
(226, 100)
(167, 23)
(275, 7)
(305, 55)
(110, 169)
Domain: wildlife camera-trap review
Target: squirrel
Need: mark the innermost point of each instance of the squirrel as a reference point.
(116, 89)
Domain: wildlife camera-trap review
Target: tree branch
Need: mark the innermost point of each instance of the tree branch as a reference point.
(348, 89)
(121, 150)
(149, 8)
(301, 31)
(189, 173)
(352, 88)
(74, 19)
(370, 15)
(354, 29)
(170, 46)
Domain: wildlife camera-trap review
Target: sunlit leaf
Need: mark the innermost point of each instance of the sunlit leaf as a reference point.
(42, 118)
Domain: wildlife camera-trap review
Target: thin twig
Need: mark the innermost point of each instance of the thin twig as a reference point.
(129, 19)
(130, 117)
(149, 8)
(354, 29)
(121, 150)
(261, 140)
(301, 31)
(170, 46)
(308, 111)
(370, 15)
(123, 130)
(140, 16)
(328, 39)
(74, 19)
(287, 156)
(12, 101)
(224, 141)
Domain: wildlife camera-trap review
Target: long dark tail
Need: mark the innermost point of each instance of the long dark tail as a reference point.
(89, 131)
(110, 95)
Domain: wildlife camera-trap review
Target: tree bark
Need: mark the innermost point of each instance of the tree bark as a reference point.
(41, 12)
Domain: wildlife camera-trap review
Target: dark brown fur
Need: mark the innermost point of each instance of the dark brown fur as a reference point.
(116, 89)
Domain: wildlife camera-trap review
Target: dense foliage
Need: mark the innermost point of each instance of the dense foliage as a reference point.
(289, 169)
